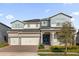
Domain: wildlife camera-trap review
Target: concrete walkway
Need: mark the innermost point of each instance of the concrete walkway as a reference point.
(57, 53)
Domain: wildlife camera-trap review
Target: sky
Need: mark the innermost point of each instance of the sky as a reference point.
(26, 11)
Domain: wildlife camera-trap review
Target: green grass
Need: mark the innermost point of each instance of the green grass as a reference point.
(60, 49)
(58, 55)
(44, 50)
(3, 45)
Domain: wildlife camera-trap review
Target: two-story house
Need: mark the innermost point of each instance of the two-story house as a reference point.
(37, 31)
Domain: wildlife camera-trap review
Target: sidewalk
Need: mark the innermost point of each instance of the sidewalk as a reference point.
(57, 53)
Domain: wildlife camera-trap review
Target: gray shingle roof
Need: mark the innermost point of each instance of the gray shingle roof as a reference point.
(33, 20)
(38, 20)
(15, 21)
(61, 13)
(5, 25)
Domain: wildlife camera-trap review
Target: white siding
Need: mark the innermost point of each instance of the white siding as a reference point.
(59, 19)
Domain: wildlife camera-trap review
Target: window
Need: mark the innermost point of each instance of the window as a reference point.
(37, 25)
(44, 22)
(17, 25)
(28, 25)
(58, 24)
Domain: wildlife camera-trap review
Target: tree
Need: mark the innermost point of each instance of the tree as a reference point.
(66, 34)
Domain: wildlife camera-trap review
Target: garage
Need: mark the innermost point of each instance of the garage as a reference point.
(29, 41)
(24, 37)
(14, 41)
(30, 38)
(24, 41)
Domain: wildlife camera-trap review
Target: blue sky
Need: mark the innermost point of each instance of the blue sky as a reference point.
(20, 11)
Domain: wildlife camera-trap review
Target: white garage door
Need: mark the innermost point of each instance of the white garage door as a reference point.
(14, 41)
(29, 41)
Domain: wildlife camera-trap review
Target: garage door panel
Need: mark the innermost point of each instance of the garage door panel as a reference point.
(29, 41)
(14, 41)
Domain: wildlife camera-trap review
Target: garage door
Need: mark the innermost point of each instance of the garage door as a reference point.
(14, 41)
(29, 41)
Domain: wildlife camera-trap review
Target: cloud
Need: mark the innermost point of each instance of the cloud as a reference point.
(65, 3)
(47, 10)
(9, 17)
(75, 13)
(1, 14)
(72, 19)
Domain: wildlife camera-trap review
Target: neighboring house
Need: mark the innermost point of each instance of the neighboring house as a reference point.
(3, 32)
(37, 31)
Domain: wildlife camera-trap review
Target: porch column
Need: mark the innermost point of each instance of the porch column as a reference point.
(52, 38)
(41, 38)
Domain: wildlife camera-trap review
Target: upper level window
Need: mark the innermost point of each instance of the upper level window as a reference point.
(58, 24)
(37, 25)
(17, 25)
(44, 23)
(28, 25)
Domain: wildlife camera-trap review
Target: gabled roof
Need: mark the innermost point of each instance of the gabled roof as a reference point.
(15, 21)
(62, 14)
(38, 20)
(5, 25)
(33, 20)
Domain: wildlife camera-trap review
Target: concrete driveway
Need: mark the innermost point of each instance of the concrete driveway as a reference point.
(19, 51)
(26, 48)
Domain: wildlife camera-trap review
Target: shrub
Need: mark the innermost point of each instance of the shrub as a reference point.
(41, 46)
(57, 48)
(71, 47)
(62, 48)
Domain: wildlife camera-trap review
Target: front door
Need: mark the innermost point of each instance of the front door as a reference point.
(46, 38)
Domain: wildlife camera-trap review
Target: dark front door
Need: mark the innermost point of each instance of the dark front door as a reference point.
(46, 39)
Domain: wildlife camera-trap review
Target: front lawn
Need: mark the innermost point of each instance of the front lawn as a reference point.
(3, 45)
(59, 50)
(44, 50)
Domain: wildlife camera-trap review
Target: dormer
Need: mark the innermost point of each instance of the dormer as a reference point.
(17, 24)
(58, 19)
